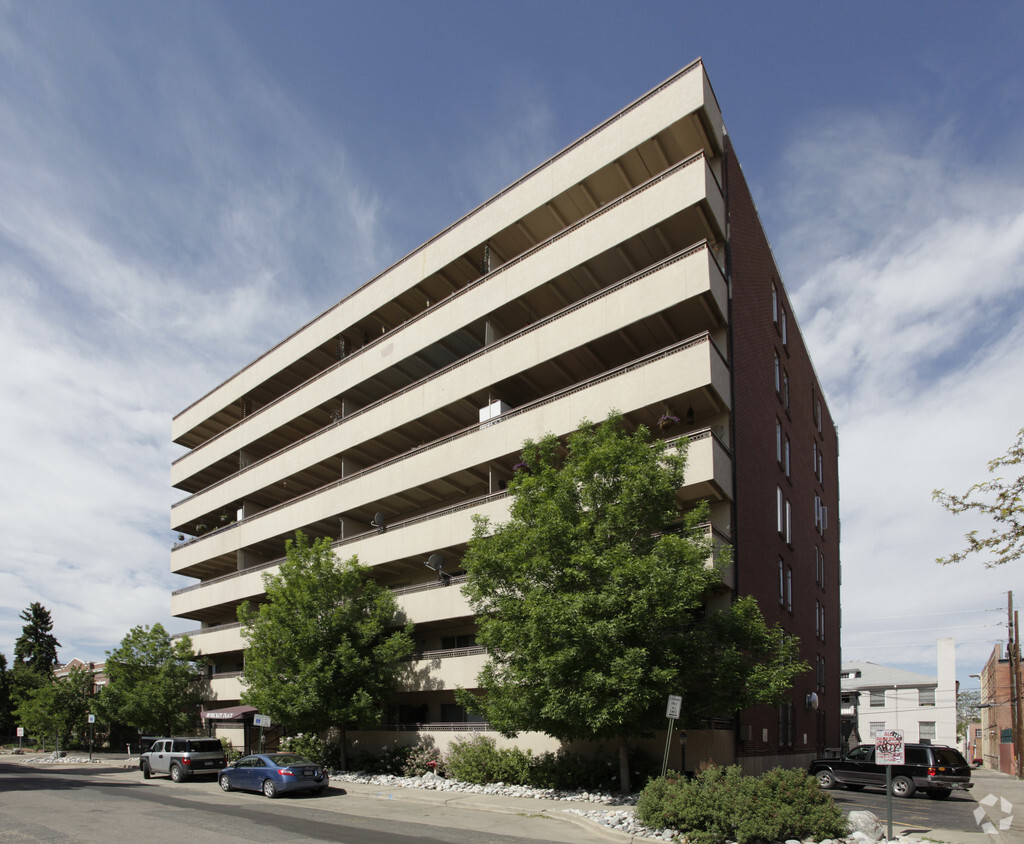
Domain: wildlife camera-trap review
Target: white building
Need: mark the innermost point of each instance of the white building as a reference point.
(629, 271)
(876, 697)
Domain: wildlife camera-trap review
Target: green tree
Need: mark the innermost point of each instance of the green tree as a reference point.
(968, 708)
(36, 647)
(592, 599)
(323, 650)
(6, 700)
(154, 683)
(999, 499)
(58, 707)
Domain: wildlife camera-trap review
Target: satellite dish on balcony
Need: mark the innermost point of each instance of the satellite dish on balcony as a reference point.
(812, 700)
(378, 522)
(436, 563)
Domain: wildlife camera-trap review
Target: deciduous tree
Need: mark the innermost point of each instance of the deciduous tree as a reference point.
(323, 651)
(58, 707)
(154, 683)
(1000, 499)
(592, 599)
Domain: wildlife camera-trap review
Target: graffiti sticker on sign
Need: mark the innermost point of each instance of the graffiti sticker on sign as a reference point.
(889, 747)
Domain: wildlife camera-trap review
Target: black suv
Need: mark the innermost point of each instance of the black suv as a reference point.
(933, 768)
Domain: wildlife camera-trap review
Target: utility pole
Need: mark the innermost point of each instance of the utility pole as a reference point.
(1013, 648)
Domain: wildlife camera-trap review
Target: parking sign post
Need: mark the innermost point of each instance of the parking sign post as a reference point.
(675, 703)
(889, 752)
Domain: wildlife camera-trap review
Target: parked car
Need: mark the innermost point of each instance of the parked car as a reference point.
(935, 769)
(274, 774)
(182, 758)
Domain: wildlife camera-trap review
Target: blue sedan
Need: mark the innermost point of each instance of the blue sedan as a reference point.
(274, 774)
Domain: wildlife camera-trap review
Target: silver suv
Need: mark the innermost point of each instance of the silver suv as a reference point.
(182, 758)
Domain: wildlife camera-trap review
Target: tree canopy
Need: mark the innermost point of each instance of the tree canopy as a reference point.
(1001, 500)
(323, 650)
(154, 683)
(58, 707)
(592, 599)
(36, 647)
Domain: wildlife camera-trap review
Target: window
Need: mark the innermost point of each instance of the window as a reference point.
(789, 588)
(785, 389)
(874, 728)
(817, 619)
(926, 731)
(785, 457)
(878, 697)
(977, 733)
(821, 467)
(782, 582)
(775, 304)
(780, 509)
(785, 338)
(789, 524)
(778, 375)
(778, 440)
(926, 697)
(817, 414)
(821, 673)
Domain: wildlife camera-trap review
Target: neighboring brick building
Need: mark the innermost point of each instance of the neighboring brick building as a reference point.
(995, 747)
(629, 271)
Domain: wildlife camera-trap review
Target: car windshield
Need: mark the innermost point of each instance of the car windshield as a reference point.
(286, 759)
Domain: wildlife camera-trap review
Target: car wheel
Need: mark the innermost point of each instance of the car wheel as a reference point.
(176, 773)
(826, 779)
(903, 787)
(145, 771)
(225, 783)
(938, 793)
(269, 789)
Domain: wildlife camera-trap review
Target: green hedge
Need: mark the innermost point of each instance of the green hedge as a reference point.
(722, 804)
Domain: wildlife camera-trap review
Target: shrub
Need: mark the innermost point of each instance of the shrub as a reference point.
(721, 804)
(478, 760)
(789, 804)
(422, 758)
(567, 770)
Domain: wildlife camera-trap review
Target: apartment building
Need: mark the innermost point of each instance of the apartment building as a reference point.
(993, 735)
(878, 697)
(629, 271)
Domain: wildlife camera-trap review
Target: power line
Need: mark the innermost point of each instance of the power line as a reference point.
(919, 629)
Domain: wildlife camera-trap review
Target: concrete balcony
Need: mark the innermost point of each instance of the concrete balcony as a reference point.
(687, 96)
(636, 212)
(226, 686)
(694, 364)
(440, 670)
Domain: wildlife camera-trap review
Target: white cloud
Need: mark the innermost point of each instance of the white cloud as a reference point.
(905, 260)
(160, 225)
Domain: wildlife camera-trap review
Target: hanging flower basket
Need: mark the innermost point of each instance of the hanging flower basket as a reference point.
(667, 420)
(521, 467)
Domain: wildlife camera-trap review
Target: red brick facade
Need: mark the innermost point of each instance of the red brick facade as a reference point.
(779, 412)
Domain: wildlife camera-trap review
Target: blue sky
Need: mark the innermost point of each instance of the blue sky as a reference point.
(184, 184)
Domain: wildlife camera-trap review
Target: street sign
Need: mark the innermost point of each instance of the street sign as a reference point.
(21, 732)
(675, 704)
(889, 747)
(261, 720)
(92, 718)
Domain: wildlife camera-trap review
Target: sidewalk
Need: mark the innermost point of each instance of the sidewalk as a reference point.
(1000, 798)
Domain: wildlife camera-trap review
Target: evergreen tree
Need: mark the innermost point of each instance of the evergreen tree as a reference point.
(36, 647)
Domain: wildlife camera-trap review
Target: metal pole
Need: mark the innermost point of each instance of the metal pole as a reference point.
(668, 740)
(888, 798)
(1015, 696)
